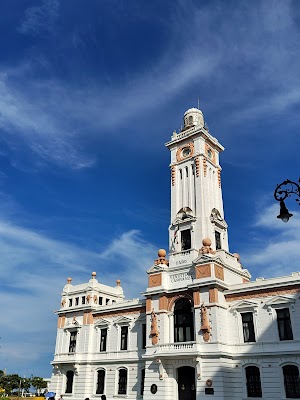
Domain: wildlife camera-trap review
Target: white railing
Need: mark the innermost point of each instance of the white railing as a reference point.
(178, 347)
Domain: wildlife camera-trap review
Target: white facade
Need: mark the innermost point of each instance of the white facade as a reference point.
(202, 327)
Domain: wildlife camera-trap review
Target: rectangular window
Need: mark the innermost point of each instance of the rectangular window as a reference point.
(107, 301)
(248, 327)
(70, 302)
(103, 339)
(185, 239)
(100, 301)
(218, 240)
(124, 337)
(144, 333)
(76, 301)
(73, 338)
(83, 300)
(284, 324)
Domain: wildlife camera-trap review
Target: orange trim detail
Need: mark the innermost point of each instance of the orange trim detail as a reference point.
(219, 272)
(154, 280)
(197, 162)
(204, 166)
(213, 153)
(196, 298)
(61, 321)
(203, 271)
(179, 152)
(213, 295)
(262, 293)
(163, 303)
(173, 170)
(88, 318)
(219, 177)
(148, 305)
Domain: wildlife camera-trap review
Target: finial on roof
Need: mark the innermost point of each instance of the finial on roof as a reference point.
(118, 282)
(69, 280)
(94, 274)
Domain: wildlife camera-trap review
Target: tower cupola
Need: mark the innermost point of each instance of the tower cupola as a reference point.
(193, 117)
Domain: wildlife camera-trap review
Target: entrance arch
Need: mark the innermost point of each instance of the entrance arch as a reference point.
(186, 383)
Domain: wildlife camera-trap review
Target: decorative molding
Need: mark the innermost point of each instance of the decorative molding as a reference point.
(179, 156)
(219, 177)
(173, 299)
(155, 280)
(198, 367)
(116, 313)
(205, 327)
(219, 272)
(213, 295)
(154, 333)
(261, 293)
(212, 158)
(203, 271)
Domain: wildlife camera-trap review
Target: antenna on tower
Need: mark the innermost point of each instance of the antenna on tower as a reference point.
(198, 103)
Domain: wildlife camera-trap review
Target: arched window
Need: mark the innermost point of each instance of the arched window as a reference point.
(122, 382)
(253, 381)
(69, 383)
(183, 321)
(291, 381)
(190, 120)
(100, 381)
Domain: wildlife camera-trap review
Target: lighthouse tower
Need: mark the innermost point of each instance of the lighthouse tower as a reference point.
(196, 195)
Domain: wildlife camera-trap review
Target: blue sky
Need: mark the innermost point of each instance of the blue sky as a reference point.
(89, 93)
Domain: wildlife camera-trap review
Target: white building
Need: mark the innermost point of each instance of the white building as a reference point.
(202, 327)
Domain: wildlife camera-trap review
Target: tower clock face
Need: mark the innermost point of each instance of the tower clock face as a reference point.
(186, 152)
(209, 153)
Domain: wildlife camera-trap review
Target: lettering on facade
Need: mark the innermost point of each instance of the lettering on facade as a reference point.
(181, 262)
(183, 276)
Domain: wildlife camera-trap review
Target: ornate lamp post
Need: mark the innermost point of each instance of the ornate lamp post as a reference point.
(282, 191)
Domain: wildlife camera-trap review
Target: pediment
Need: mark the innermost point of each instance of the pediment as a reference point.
(243, 304)
(123, 320)
(102, 322)
(157, 268)
(208, 258)
(280, 299)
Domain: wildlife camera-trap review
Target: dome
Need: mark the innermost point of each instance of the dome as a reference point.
(193, 116)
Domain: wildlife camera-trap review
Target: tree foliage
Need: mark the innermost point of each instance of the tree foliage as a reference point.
(13, 382)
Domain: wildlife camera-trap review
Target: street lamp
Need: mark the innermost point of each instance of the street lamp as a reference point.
(282, 191)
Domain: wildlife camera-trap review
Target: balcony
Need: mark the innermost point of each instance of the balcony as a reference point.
(173, 349)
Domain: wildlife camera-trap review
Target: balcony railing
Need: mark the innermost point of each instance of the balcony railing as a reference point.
(186, 347)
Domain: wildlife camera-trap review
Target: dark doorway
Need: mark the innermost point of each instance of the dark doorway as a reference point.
(186, 383)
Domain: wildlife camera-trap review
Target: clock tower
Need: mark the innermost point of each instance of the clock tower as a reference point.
(197, 213)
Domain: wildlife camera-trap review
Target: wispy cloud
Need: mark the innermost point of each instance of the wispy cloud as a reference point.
(40, 19)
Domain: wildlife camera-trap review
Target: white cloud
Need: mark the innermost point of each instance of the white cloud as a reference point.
(33, 271)
(276, 251)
